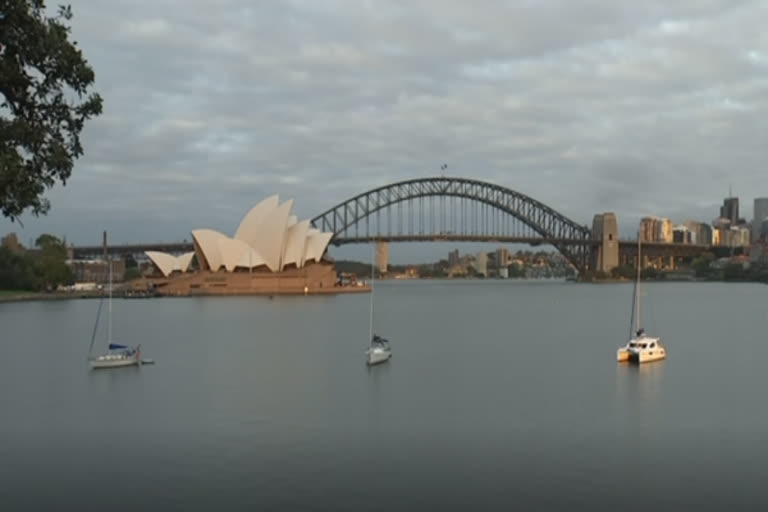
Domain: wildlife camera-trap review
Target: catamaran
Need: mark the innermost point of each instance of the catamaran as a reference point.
(641, 348)
(117, 355)
(378, 348)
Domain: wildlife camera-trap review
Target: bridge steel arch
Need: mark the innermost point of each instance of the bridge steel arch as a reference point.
(573, 240)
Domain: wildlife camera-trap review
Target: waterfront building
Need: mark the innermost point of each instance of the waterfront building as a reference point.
(656, 229)
(681, 235)
(502, 257)
(666, 231)
(453, 258)
(760, 214)
(649, 229)
(730, 209)
(481, 263)
(701, 233)
(740, 236)
(96, 271)
(271, 251)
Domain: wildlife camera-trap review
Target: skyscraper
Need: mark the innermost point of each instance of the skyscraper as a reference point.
(761, 214)
(649, 229)
(730, 210)
(665, 231)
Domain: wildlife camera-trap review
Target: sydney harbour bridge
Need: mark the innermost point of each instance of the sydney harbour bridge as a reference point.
(462, 210)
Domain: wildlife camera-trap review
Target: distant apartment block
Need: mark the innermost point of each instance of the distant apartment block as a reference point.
(740, 236)
(649, 229)
(759, 216)
(656, 229)
(730, 209)
(701, 233)
(481, 263)
(453, 258)
(682, 235)
(666, 231)
(502, 257)
(96, 271)
(11, 242)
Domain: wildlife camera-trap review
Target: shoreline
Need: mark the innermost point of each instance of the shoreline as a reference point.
(6, 297)
(45, 296)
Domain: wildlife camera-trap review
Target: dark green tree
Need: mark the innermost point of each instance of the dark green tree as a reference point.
(130, 262)
(51, 262)
(44, 88)
(17, 271)
(625, 270)
(703, 264)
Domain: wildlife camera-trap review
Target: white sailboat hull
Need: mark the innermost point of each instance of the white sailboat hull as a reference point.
(377, 356)
(114, 361)
(648, 356)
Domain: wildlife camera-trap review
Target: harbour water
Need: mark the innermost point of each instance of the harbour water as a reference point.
(500, 394)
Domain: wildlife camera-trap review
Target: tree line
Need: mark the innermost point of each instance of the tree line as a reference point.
(39, 269)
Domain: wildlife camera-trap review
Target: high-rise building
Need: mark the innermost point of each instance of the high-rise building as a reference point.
(681, 235)
(502, 257)
(739, 236)
(730, 209)
(760, 214)
(11, 242)
(656, 229)
(700, 233)
(649, 229)
(721, 229)
(481, 263)
(453, 258)
(666, 229)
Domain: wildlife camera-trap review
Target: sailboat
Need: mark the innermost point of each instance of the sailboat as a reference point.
(117, 355)
(641, 348)
(378, 348)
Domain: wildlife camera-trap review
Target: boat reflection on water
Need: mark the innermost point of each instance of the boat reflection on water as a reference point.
(640, 387)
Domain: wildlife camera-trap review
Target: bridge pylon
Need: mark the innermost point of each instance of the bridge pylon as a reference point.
(605, 255)
(382, 257)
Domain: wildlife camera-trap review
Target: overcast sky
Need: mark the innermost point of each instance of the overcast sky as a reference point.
(649, 107)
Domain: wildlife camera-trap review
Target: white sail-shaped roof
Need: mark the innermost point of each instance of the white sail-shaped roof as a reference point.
(312, 230)
(295, 244)
(232, 252)
(251, 258)
(267, 235)
(208, 242)
(168, 263)
(184, 260)
(255, 217)
(316, 244)
(268, 238)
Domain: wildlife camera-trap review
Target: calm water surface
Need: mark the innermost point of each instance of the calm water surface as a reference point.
(499, 394)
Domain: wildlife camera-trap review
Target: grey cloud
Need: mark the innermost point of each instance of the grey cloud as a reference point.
(638, 107)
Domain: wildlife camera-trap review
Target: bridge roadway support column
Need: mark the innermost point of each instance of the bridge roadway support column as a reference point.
(605, 228)
(382, 257)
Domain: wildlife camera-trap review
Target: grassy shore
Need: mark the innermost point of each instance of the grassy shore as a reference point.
(21, 295)
(11, 295)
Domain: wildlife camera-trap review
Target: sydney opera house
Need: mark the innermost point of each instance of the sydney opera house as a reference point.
(271, 252)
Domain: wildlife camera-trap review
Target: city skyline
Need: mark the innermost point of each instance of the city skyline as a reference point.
(640, 109)
(662, 229)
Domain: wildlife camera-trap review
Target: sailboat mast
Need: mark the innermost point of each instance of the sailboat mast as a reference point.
(109, 323)
(370, 326)
(639, 267)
